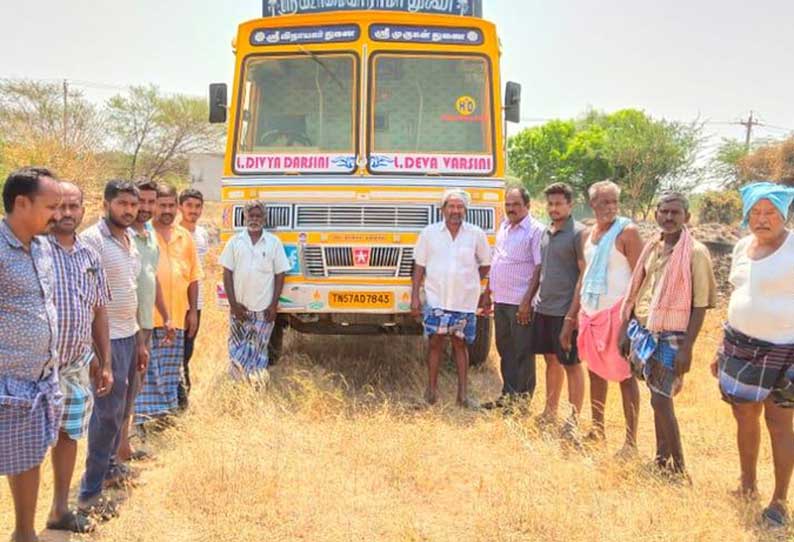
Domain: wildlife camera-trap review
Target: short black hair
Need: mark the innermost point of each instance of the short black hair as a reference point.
(166, 191)
(190, 193)
(24, 182)
(114, 187)
(146, 184)
(560, 188)
(669, 196)
(521, 190)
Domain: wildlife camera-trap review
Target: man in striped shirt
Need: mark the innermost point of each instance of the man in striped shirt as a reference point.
(112, 239)
(81, 294)
(516, 260)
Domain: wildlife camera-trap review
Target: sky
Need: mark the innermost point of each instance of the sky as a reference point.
(715, 60)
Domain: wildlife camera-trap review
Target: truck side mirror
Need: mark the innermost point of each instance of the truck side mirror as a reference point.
(513, 102)
(217, 103)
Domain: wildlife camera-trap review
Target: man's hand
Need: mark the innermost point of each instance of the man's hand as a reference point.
(170, 332)
(624, 346)
(101, 377)
(238, 312)
(142, 358)
(270, 312)
(715, 366)
(566, 335)
(416, 308)
(683, 360)
(191, 323)
(486, 303)
(525, 313)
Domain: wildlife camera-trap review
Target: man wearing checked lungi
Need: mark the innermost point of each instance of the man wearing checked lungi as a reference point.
(178, 272)
(755, 364)
(451, 257)
(30, 400)
(81, 295)
(254, 264)
(671, 288)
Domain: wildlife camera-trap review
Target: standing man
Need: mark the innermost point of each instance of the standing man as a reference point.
(552, 308)
(178, 272)
(150, 295)
(611, 250)
(516, 259)
(191, 205)
(672, 286)
(30, 411)
(111, 238)
(755, 364)
(254, 264)
(451, 258)
(81, 296)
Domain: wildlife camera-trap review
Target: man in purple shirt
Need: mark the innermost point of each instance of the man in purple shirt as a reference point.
(516, 259)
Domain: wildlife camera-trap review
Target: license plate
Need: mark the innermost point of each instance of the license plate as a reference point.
(361, 300)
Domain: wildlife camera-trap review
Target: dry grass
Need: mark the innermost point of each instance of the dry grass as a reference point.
(335, 450)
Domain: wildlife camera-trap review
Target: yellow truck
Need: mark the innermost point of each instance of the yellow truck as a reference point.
(350, 118)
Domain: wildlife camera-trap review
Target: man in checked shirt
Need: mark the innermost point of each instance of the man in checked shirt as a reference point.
(81, 293)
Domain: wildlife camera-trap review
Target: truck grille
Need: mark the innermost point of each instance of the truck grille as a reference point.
(276, 216)
(361, 216)
(339, 261)
(479, 216)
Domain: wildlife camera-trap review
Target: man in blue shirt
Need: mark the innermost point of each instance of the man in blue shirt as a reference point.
(30, 401)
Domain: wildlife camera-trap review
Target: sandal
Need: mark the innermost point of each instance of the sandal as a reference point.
(774, 518)
(104, 509)
(73, 521)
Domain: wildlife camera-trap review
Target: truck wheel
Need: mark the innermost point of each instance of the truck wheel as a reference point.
(478, 352)
(276, 342)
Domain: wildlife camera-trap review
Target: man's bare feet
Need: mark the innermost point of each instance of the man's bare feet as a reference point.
(468, 402)
(431, 396)
(627, 453)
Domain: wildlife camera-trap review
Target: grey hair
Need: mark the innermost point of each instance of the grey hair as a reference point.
(255, 204)
(595, 188)
(670, 196)
(455, 193)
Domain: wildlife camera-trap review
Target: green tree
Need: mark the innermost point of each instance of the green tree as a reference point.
(725, 165)
(538, 155)
(156, 132)
(642, 154)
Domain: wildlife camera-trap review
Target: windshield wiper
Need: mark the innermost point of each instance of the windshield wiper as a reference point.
(327, 70)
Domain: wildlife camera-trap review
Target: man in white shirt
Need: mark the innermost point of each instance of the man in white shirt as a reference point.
(451, 258)
(191, 205)
(254, 264)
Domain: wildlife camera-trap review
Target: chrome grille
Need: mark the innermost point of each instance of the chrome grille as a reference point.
(479, 216)
(313, 265)
(276, 216)
(338, 261)
(361, 216)
(406, 268)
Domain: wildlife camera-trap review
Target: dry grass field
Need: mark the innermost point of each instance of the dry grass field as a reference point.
(337, 449)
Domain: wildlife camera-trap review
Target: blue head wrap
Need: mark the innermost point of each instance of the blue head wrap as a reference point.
(779, 195)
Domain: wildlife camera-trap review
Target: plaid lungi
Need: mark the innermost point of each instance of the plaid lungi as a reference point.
(78, 399)
(752, 370)
(158, 394)
(652, 357)
(462, 325)
(30, 413)
(248, 340)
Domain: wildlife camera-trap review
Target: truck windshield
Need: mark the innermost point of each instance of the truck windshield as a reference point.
(429, 105)
(297, 113)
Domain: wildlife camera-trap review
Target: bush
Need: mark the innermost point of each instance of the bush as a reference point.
(723, 206)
